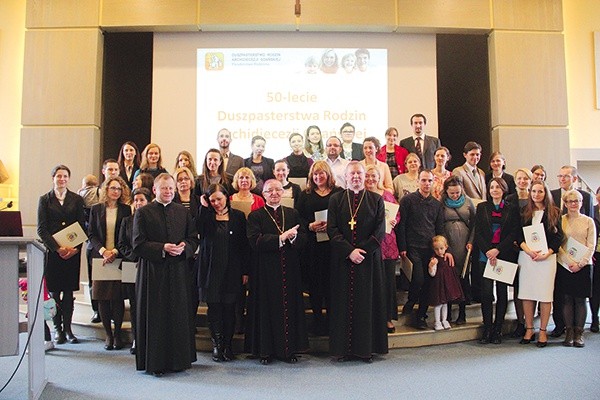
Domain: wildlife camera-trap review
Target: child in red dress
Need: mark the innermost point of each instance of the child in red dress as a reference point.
(445, 285)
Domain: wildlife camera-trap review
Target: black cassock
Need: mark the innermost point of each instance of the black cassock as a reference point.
(165, 328)
(278, 326)
(357, 312)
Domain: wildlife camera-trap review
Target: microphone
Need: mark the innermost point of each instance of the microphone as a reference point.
(8, 205)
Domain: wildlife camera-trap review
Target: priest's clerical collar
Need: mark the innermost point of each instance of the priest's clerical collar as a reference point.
(160, 202)
(273, 207)
(357, 191)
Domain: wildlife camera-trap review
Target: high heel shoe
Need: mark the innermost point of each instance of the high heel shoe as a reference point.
(539, 343)
(531, 339)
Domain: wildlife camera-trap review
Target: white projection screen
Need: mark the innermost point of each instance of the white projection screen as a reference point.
(274, 84)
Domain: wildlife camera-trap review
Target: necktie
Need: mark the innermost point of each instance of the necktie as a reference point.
(419, 150)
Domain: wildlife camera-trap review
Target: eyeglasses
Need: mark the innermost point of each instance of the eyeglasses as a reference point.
(115, 188)
(572, 201)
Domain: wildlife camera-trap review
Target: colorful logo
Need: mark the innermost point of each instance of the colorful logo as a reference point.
(71, 236)
(214, 61)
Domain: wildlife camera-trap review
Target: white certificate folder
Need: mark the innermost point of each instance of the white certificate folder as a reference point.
(535, 237)
(128, 271)
(106, 272)
(72, 236)
(504, 271)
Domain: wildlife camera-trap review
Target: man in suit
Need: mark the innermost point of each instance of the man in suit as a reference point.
(566, 179)
(473, 177)
(422, 145)
(350, 150)
(232, 162)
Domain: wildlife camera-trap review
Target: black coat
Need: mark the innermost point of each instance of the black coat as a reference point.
(97, 226)
(509, 225)
(52, 218)
(213, 275)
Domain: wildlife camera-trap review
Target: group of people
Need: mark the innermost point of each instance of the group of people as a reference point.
(240, 236)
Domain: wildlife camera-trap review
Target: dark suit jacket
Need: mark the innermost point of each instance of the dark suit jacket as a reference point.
(587, 207)
(357, 152)
(431, 145)
(233, 164)
(97, 226)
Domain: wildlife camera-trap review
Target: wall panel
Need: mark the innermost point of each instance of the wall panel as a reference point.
(62, 13)
(62, 76)
(240, 15)
(536, 15)
(348, 15)
(440, 15)
(527, 75)
(136, 15)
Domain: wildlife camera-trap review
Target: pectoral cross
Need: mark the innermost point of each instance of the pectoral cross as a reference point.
(352, 223)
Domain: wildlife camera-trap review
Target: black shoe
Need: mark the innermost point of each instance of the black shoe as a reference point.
(595, 326)
(109, 343)
(70, 337)
(519, 331)
(228, 354)
(558, 331)
(60, 337)
(132, 350)
(497, 335)
(367, 360)
(158, 374)
(391, 329)
(291, 360)
(461, 320)
(486, 337)
(420, 324)
(96, 318)
(265, 360)
(527, 341)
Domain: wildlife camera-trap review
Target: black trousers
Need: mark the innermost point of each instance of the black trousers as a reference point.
(419, 285)
(487, 300)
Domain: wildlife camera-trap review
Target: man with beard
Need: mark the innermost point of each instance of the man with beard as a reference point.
(232, 162)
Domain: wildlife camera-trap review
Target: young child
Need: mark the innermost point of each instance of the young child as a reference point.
(445, 285)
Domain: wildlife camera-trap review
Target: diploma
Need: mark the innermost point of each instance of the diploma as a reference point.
(576, 251)
(535, 237)
(299, 181)
(391, 210)
(504, 271)
(106, 272)
(128, 271)
(407, 268)
(72, 236)
(321, 216)
(243, 206)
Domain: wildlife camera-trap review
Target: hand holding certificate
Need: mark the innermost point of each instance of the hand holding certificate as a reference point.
(575, 251)
(503, 271)
(106, 272)
(391, 210)
(321, 216)
(535, 237)
(72, 236)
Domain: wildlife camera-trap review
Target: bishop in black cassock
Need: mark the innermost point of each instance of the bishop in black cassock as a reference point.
(164, 237)
(356, 227)
(278, 326)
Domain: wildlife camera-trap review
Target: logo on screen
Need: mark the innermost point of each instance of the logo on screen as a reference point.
(214, 61)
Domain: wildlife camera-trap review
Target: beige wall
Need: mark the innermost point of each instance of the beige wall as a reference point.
(12, 34)
(581, 19)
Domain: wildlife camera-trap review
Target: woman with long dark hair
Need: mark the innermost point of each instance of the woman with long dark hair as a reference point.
(537, 269)
(496, 224)
(129, 162)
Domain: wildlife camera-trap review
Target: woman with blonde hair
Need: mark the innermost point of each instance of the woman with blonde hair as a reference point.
(315, 198)
(151, 161)
(574, 275)
(409, 181)
(371, 148)
(244, 181)
(103, 233)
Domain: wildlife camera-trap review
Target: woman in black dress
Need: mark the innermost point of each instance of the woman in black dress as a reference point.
(58, 209)
(261, 166)
(103, 232)
(496, 225)
(281, 170)
(319, 188)
(299, 162)
(213, 171)
(129, 162)
(224, 258)
(141, 197)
